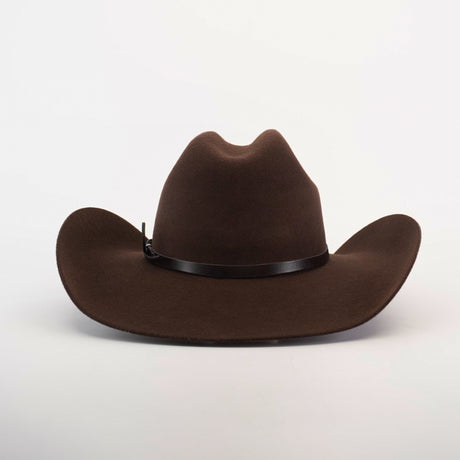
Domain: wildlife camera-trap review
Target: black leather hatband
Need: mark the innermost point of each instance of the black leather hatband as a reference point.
(231, 271)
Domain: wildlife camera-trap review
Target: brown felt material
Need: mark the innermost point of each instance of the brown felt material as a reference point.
(228, 204)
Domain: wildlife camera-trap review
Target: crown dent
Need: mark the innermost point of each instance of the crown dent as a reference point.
(211, 143)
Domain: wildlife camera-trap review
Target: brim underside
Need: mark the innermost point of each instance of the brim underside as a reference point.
(103, 269)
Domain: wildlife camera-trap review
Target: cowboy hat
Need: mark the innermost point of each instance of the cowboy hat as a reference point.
(238, 253)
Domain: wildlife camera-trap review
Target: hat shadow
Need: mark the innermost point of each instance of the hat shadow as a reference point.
(380, 326)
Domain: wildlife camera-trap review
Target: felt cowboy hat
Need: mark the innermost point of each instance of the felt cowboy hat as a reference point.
(238, 253)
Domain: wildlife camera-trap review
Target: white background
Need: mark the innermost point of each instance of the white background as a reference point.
(97, 101)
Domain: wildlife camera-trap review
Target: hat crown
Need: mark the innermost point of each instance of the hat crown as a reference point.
(230, 204)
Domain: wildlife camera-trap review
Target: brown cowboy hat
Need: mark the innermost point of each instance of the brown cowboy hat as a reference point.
(238, 253)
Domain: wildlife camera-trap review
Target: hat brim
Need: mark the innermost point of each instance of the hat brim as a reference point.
(103, 269)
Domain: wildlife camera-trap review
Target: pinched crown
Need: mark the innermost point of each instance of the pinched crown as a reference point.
(231, 204)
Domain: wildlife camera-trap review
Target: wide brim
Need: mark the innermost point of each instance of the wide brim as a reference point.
(104, 271)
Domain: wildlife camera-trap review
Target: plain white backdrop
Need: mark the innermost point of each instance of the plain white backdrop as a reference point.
(97, 101)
